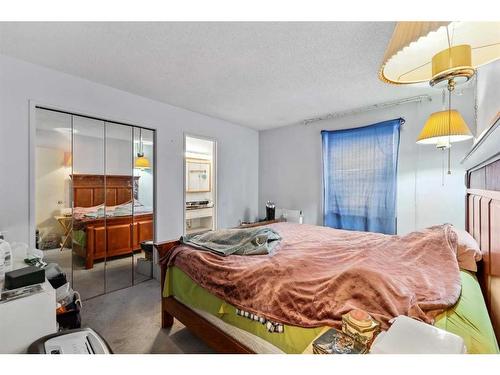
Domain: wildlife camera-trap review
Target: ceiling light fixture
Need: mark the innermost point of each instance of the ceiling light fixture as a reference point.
(445, 127)
(435, 52)
(444, 54)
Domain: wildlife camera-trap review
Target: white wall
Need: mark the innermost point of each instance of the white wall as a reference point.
(146, 179)
(488, 101)
(53, 186)
(290, 166)
(488, 95)
(21, 82)
(88, 156)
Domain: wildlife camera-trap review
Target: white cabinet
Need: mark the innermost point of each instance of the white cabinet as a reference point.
(26, 319)
(199, 213)
(199, 220)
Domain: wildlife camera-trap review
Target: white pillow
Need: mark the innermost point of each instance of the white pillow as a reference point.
(468, 251)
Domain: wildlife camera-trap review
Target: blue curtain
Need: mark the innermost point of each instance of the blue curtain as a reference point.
(359, 177)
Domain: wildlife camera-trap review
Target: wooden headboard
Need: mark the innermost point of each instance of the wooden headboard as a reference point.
(88, 189)
(483, 223)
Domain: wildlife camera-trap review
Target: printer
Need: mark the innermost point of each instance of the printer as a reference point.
(75, 341)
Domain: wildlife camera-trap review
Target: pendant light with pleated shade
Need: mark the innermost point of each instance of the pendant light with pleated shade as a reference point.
(443, 128)
(435, 52)
(141, 162)
(444, 54)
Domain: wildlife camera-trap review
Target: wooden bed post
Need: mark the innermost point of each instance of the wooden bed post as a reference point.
(89, 253)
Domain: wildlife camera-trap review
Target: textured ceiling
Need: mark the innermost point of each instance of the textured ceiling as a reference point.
(261, 75)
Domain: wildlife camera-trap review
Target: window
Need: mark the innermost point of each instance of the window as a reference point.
(359, 177)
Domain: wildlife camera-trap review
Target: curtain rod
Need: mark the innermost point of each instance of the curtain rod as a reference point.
(335, 115)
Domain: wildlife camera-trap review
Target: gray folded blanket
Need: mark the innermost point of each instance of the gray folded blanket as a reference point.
(248, 241)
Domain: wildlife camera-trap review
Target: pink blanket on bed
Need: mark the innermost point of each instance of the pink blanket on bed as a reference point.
(317, 274)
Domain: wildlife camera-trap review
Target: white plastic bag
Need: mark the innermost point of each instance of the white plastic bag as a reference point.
(6, 252)
(64, 294)
(19, 250)
(410, 336)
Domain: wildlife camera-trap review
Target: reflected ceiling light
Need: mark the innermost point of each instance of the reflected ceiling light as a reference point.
(68, 159)
(141, 162)
(66, 131)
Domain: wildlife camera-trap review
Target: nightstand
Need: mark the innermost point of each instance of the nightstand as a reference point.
(260, 223)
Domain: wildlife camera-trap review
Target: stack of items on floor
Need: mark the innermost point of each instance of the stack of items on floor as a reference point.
(69, 303)
(361, 334)
(358, 331)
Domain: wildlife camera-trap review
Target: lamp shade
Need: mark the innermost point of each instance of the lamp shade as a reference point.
(444, 127)
(68, 159)
(412, 53)
(142, 162)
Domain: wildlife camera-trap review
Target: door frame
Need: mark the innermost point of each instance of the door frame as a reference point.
(215, 180)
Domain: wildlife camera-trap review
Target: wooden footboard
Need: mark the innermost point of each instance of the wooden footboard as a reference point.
(171, 308)
(113, 236)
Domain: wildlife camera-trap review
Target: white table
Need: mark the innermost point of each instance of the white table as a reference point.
(26, 319)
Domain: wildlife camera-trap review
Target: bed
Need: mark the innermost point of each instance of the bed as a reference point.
(112, 227)
(475, 316)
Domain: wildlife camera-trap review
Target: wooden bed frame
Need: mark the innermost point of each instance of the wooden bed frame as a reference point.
(216, 338)
(482, 221)
(112, 236)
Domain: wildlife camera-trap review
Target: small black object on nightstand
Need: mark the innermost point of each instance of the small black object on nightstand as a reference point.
(24, 277)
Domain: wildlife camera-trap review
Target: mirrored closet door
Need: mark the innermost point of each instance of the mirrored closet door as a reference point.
(52, 188)
(119, 206)
(94, 200)
(89, 219)
(143, 191)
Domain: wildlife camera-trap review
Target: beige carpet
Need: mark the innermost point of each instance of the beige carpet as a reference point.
(114, 274)
(129, 320)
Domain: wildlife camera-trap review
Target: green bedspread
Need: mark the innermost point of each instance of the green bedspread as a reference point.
(468, 318)
(79, 237)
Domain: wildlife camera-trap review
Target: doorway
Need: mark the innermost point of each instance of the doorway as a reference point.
(200, 184)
